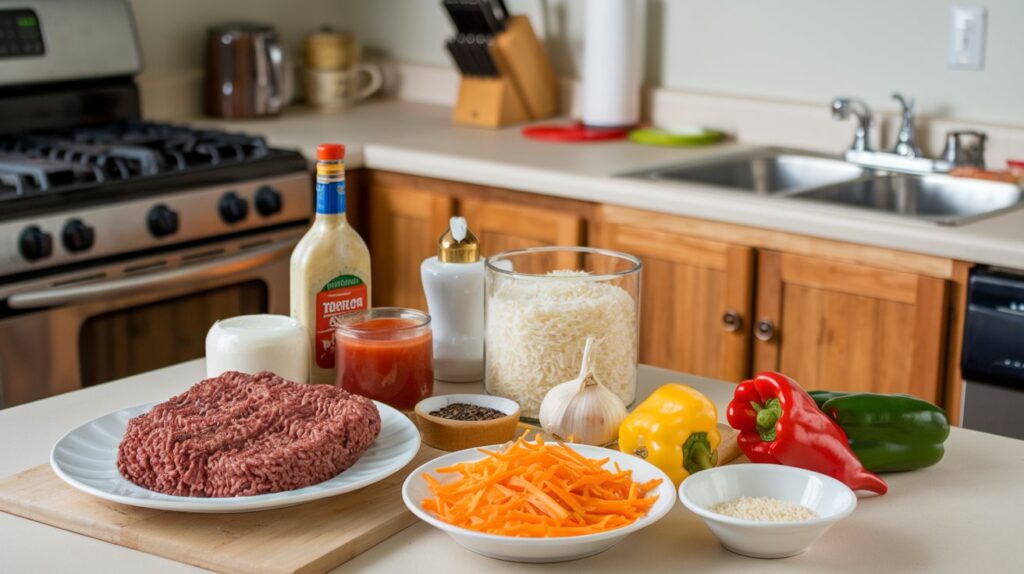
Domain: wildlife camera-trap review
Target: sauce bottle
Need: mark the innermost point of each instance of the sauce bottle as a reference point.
(453, 282)
(330, 266)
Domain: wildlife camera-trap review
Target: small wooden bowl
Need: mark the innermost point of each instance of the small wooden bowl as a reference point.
(452, 435)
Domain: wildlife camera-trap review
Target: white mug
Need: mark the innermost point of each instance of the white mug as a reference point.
(342, 88)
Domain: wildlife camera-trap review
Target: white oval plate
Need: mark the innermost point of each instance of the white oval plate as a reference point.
(557, 549)
(86, 458)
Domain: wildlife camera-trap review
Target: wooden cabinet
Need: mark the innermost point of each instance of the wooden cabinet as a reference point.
(718, 300)
(404, 224)
(830, 314)
(355, 199)
(502, 226)
(407, 214)
(841, 326)
(695, 298)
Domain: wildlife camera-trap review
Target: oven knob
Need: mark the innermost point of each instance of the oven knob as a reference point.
(34, 243)
(162, 220)
(77, 236)
(268, 201)
(233, 208)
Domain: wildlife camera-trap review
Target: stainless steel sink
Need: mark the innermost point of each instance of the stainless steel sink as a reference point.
(802, 176)
(767, 172)
(939, 198)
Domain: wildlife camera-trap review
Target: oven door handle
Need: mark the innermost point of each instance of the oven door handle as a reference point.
(221, 267)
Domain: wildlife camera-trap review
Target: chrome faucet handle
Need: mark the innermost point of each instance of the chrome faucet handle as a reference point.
(958, 153)
(841, 110)
(906, 139)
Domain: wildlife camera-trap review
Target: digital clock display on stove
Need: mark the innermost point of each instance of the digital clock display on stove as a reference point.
(20, 34)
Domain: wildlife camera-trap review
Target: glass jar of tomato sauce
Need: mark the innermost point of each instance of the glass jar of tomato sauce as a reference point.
(385, 354)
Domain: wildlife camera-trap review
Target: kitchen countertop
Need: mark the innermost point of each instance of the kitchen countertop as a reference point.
(421, 140)
(958, 516)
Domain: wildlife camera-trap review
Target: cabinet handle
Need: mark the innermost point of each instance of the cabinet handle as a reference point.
(732, 321)
(765, 330)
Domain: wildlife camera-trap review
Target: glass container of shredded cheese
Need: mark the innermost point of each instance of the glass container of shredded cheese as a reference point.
(543, 303)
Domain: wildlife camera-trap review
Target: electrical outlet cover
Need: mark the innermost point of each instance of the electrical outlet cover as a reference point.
(966, 38)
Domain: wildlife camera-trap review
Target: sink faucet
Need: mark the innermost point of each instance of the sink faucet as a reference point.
(963, 148)
(906, 139)
(842, 108)
(960, 153)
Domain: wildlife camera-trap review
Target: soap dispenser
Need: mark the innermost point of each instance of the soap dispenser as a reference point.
(453, 282)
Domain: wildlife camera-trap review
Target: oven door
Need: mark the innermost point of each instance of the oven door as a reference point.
(67, 337)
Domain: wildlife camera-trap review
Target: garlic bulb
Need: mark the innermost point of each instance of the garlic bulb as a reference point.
(583, 410)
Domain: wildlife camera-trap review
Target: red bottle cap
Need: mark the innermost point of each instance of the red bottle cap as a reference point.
(330, 152)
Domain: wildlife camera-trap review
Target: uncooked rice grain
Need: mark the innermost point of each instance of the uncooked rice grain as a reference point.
(764, 508)
(537, 328)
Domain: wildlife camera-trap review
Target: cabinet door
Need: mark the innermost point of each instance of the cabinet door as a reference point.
(356, 195)
(848, 327)
(405, 223)
(502, 226)
(696, 300)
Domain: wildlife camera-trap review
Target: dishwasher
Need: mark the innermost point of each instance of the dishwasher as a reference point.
(992, 362)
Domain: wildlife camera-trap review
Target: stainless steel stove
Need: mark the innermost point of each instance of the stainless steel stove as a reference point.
(121, 240)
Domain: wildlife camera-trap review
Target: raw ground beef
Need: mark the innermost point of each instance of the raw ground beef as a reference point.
(241, 435)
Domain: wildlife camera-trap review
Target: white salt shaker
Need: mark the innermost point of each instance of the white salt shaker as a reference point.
(254, 343)
(453, 282)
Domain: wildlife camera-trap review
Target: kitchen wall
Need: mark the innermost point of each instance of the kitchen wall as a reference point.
(173, 36)
(792, 50)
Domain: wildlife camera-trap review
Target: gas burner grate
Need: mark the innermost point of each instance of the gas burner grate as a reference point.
(56, 161)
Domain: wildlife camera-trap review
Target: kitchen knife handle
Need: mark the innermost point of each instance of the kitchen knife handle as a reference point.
(473, 66)
(504, 11)
(456, 53)
(491, 22)
(455, 13)
(483, 50)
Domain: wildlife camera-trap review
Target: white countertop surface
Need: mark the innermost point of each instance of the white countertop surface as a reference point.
(422, 140)
(962, 515)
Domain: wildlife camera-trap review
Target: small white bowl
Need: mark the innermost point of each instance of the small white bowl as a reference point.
(829, 498)
(558, 549)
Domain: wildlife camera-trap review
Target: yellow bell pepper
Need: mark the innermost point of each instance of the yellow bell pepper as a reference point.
(675, 429)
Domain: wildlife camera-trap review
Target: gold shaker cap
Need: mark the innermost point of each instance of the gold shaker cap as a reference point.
(458, 244)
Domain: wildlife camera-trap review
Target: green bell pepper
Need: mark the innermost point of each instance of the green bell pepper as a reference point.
(888, 433)
(821, 397)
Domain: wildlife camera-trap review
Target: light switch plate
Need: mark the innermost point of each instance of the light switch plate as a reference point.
(966, 38)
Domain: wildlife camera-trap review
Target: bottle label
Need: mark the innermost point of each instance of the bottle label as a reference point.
(330, 195)
(342, 295)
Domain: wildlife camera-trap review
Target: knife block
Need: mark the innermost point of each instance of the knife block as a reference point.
(489, 102)
(526, 89)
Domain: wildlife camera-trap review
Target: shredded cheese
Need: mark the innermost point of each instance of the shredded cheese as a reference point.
(764, 508)
(537, 328)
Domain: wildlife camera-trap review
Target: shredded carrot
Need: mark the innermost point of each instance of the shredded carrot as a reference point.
(538, 489)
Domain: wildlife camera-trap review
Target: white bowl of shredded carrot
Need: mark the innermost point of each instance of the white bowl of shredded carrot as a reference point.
(532, 501)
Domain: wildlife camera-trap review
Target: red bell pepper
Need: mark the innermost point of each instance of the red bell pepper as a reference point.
(780, 423)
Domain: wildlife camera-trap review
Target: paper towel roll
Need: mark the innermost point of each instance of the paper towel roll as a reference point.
(613, 54)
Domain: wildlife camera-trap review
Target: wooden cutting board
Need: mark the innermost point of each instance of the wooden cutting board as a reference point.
(728, 448)
(313, 537)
